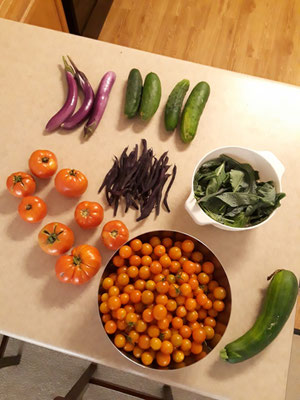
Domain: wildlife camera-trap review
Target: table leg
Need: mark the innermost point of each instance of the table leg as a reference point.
(7, 361)
(80, 385)
(167, 392)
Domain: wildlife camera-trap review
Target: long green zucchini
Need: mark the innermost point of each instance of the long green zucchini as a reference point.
(279, 302)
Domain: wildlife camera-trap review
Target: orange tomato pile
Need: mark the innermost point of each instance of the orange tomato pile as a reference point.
(162, 303)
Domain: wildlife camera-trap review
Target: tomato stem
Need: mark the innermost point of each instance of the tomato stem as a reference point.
(45, 159)
(77, 260)
(17, 179)
(114, 233)
(85, 213)
(53, 237)
(72, 172)
(28, 207)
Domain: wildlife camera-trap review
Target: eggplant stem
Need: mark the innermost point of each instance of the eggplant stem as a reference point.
(73, 64)
(68, 67)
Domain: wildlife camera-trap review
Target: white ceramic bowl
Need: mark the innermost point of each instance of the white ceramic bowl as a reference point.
(268, 165)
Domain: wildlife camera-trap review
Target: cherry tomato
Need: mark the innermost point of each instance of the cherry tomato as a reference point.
(121, 313)
(159, 311)
(120, 340)
(147, 358)
(177, 322)
(147, 297)
(135, 260)
(146, 249)
(136, 295)
(147, 315)
(146, 260)
(140, 284)
(163, 324)
(43, 163)
(202, 314)
(209, 321)
(153, 331)
(125, 251)
(113, 291)
(178, 356)
(219, 293)
(185, 289)
(110, 327)
(190, 304)
(124, 297)
(79, 267)
(187, 246)
(166, 347)
(197, 256)
(155, 343)
(114, 234)
(144, 342)
(150, 285)
(181, 311)
(32, 209)
(155, 267)
(70, 182)
(88, 214)
(141, 326)
(186, 345)
(218, 305)
(144, 272)
(104, 307)
(209, 330)
(174, 267)
(20, 184)
(137, 352)
(155, 241)
(107, 283)
(208, 267)
(176, 339)
(185, 331)
(203, 278)
(208, 305)
(192, 316)
(199, 335)
(171, 305)
(162, 287)
(165, 261)
(162, 359)
(175, 253)
(128, 289)
(161, 299)
(196, 348)
(55, 238)
(136, 244)
(159, 250)
(189, 267)
(167, 242)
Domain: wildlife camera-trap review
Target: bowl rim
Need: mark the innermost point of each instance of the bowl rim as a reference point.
(103, 275)
(219, 224)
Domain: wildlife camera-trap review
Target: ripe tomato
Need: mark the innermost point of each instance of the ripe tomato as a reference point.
(20, 184)
(56, 238)
(32, 209)
(114, 234)
(79, 267)
(43, 163)
(70, 182)
(88, 214)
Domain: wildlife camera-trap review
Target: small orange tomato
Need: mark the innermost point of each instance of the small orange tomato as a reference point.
(134, 336)
(128, 288)
(167, 242)
(201, 298)
(132, 271)
(104, 307)
(146, 260)
(88, 214)
(182, 277)
(170, 278)
(185, 331)
(107, 283)
(144, 272)
(153, 331)
(113, 291)
(177, 322)
(106, 317)
(166, 347)
(193, 282)
(165, 261)
(20, 184)
(155, 267)
(32, 209)
(218, 305)
(176, 339)
(197, 256)
(189, 267)
(137, 352)
(118, 261)
(181, 311)
(209, 321)
(199, 335)
(79, 267)
(174, 290)
(141, 326)
(171, 305)
(114, 302)
(70, 182)
(147, 358)
(121, 313)
(136, 244)
(162, 359)
(192, 316)
(165, 335)
(122, 270)
(155, 343)
(178, 356)
(212, 285)
(155, 241)
(129, 308)
(114, 234)
(185, 289)
(147, 297)
(121, 324)
(209, 330)
(139, 308)
(110, 327)
(163, 324)
(175, 253)
(146, 249)
(162, 287)
(131, 318)
(180, 300)
(182, 260)
(150, 285)
(159, 250)
(139, 284)
(159, 312)
(202, 314)
(198, 268)
(208, 305)
(203, 278)
(219, 293)
(213, 313)
(124, 297)
(43, 163)
(136, 295)
(159, 277)
(161, 299)
(174, 267)
(128, 346)
(208, 267)
(190, 304)
(144, 342)
(120, 340)
(148, 315)
(196, 348)
(123, 279)
(187, 246)
(186, 345)
(125, 251)
(135, 260)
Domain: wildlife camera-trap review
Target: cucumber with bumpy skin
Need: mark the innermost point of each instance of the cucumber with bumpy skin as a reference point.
(133, 93)
(174, 104)
(192, 111)
(150, 97)
(279, 302)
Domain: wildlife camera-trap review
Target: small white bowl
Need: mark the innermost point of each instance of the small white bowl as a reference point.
(265, 162)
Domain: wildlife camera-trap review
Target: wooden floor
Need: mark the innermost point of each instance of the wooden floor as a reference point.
(256, 37)
(260, 38)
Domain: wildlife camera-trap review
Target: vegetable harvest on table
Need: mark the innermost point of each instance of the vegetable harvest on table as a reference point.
(231, 193)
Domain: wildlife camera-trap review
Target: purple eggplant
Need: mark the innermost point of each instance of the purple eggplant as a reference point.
(70, 103)
(100, 103)
(74, 120)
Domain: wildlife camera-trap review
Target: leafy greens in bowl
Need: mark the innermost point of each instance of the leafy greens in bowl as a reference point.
(231, 193)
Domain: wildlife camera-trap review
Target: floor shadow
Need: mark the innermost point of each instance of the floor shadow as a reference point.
(39, 264)
(18, 229)
(58, 204)
(8, 203)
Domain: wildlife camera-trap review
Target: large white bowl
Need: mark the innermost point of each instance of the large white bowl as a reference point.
(268, 165)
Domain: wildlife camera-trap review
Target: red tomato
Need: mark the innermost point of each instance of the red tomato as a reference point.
(79, 267)
(70, 182)
(88, 214)
(56, 238)
(43, 163)
(20, 184)
(114, 234)
(32, 209)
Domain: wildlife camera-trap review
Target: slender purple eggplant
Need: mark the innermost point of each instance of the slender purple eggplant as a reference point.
(70, 103)
(100, 103)
(74, 120)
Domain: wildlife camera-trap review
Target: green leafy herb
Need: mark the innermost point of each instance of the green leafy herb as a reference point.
(231, 193)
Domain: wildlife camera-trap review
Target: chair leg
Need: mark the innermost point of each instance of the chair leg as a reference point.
(7, 361)
(167, 393)
(80, 386)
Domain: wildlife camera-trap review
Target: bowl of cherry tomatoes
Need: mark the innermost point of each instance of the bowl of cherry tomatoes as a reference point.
(164, 300)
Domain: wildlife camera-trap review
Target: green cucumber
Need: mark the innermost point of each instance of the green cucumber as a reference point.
(150, 97)
(279, 302)
(174, 104)
(133, 93)
(192, 111)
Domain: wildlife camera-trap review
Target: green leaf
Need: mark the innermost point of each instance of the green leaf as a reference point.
(216, 182)
(237, 179)
(238, 199)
